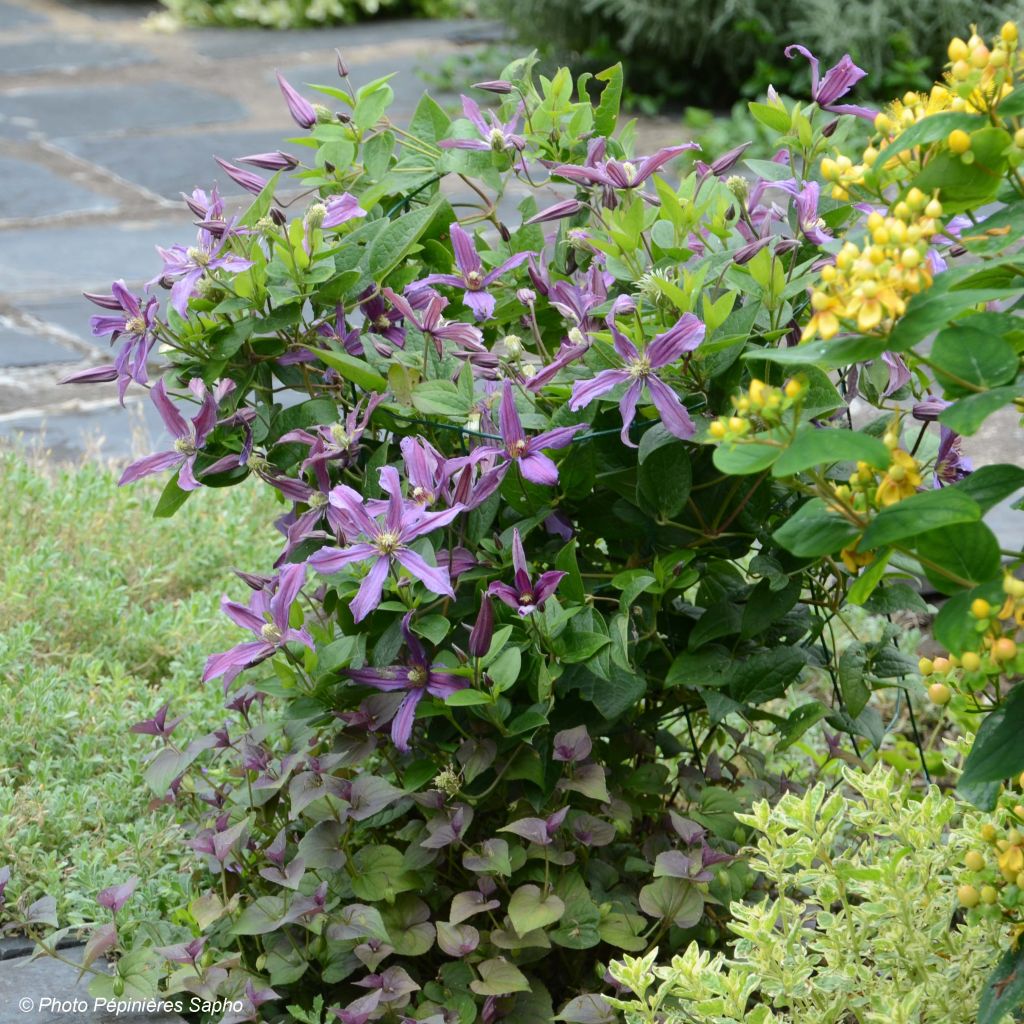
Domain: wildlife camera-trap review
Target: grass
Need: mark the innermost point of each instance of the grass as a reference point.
(105, 614)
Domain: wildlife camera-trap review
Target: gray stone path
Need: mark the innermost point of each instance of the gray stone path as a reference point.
(103, 123)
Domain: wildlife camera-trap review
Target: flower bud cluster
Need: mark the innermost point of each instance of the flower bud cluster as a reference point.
(870, 284)
(760, 406)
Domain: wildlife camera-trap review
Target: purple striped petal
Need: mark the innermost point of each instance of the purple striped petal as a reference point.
(627, 407)
(370, 590)
(673, 413)
(509, 423)
(150, 464)
(186, 475)
(467, 259)
(401, 724)
(436, 580)
(503, 268)
(546, 585)
(238, 657)
(328, 561)
(684, 336)
(585, 391)
(504, 593)
(290, 583)
(173, 420)
(538, 469)
(625, 348)
(444, 684)
(560, 437)
(482, 303)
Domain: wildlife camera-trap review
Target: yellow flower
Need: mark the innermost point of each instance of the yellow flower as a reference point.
(900, 481)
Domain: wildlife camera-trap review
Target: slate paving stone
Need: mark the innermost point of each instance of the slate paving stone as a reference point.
(103, 109)
(30, 190)
(221, 43)
(62, 53)
(86, 257)
(171, 164)
(70, 434)
(69, 313)
(114, 10)
(26, 985)
(20, 347)
(12, 17)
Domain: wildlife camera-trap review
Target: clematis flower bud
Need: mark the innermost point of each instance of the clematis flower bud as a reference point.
(483, 629)
(499, 86)
(299, 107)
(342, 66)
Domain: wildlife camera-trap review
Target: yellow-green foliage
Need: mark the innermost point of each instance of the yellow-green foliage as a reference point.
(857, 927)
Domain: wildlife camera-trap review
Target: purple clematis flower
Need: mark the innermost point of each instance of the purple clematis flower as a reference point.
(527, 452)
(525, 597)
(341, 209)
(135, 323)
(471, 276)
(685, 336)
(190, 264)
(275, 161)
(433, 325)
(619, 174)
(805, 200)
(189, 438)
(417, 677)
(838, 81)
(951, 464)
(385, 543)
(495, 136)
(250, 182)
(379, 318)
(272, 634)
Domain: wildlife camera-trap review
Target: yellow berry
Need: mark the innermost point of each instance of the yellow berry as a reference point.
(957, 49)
(942, 665)
(1019, 880)
(829, 169)
(939, 693)
(737, 425)
(882, 123)
(997, 59)
(979, 56)
(1008, 33)
(968, 896)
(980, 608)
(989, 895)
(970, 661)
(717, 429)
(910, 258)
(1011, 585)
(916, 197)
(925, 666)
(961, 70)
(959, 141)
(988, 832)
(1004, 649)
(794, 389)
(974, 861)
(933, 209)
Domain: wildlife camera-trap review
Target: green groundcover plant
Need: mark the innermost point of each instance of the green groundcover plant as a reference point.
(573, 490)
(284, 14)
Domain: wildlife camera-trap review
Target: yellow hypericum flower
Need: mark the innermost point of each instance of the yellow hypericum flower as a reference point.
(900, 481)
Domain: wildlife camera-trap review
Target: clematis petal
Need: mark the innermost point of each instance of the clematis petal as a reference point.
(149, 465)
(585, 391)
(627, 407)
(467, 259)
(401, 724)
(538, 469)
(328, 561)
(673, 413)
(482, 303)
(173, 420)
(435, 579)
(684, 336)
(370, 590)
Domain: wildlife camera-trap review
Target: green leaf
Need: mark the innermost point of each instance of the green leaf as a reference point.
(770, 116)
(967, 415)
(977, 357)
(664, 477)
(1004, 990)
(826, 355)
(260, 206)
(673, 899)
(815, 530)
(854, 689)
(171, 499)
(866, 582)
(392, 245)
(766, 675)
(607, 112)
(440, 398)
(814, 446)
(927, 510)
(966, 185)
(467, 699)
(498, 977)
(529, 909)
(371, 104)
(765, 606)
(954, 626)
(968, 550)
(746, 457)
(356, 370)
(574, 646)
(261, 916)
(895, 597)
(380, 874)
(799, 722)
(933, 128)
(990, 485)
(997, 752)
